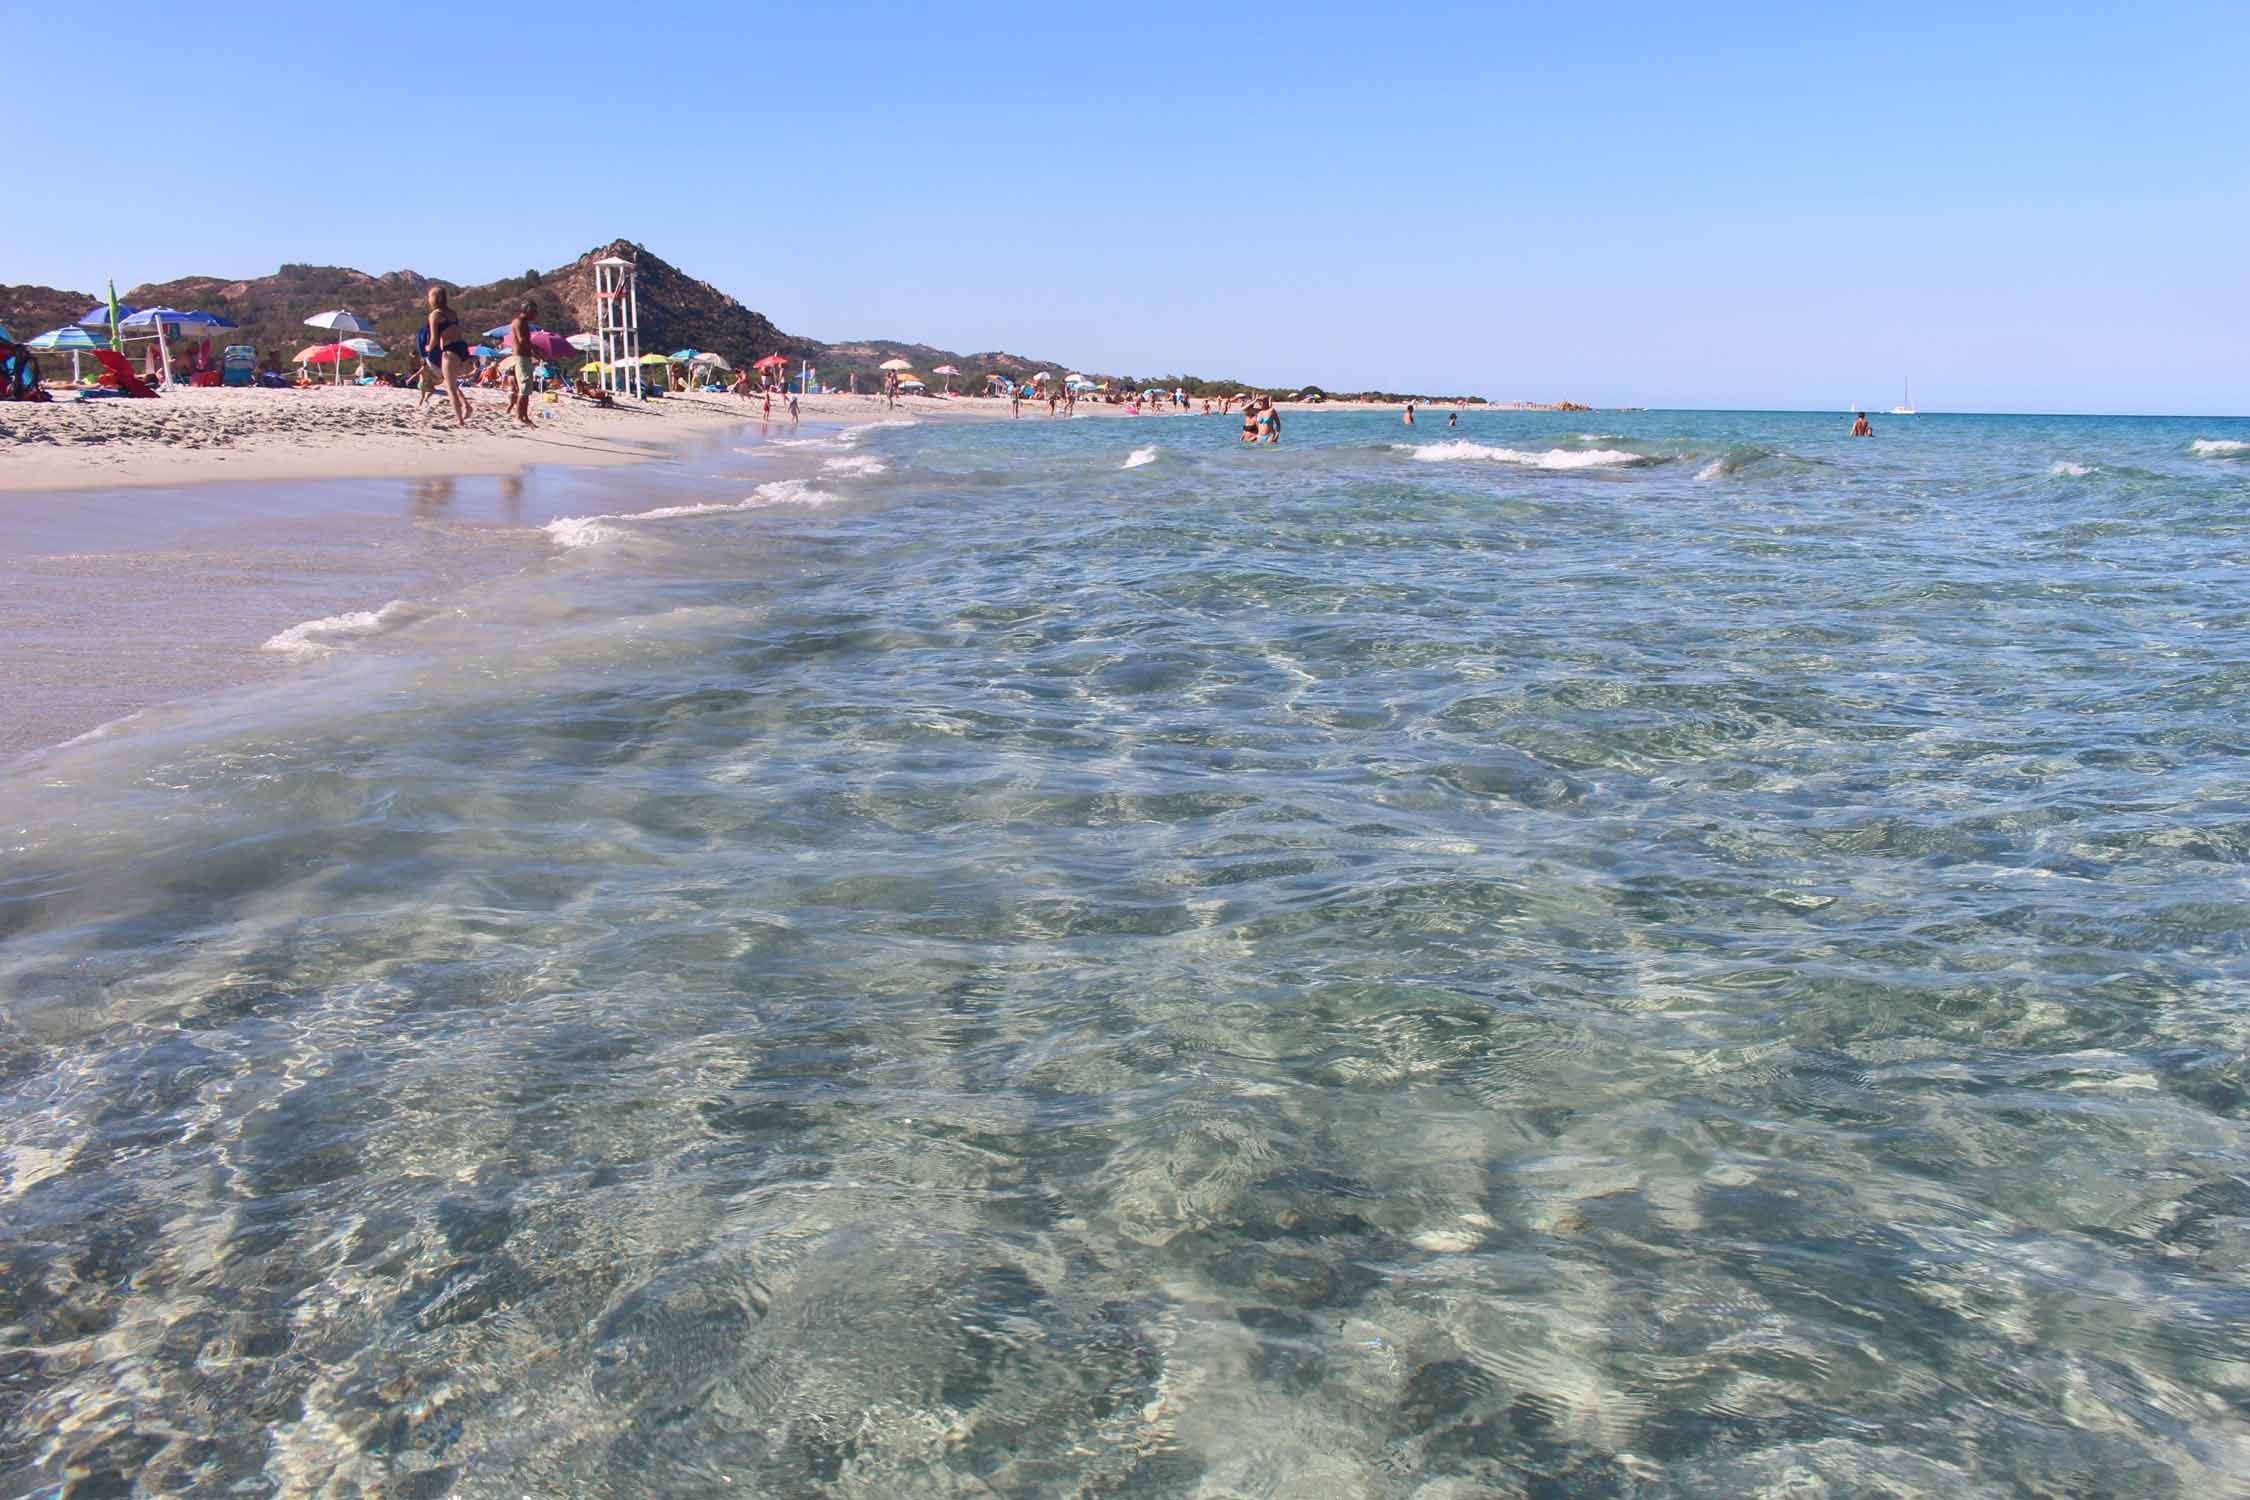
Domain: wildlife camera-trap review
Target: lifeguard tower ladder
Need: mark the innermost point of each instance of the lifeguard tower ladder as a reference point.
(617, 321)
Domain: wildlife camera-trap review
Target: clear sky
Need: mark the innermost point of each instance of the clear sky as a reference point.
(2023, 208)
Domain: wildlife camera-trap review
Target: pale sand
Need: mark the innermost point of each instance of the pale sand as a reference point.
(374, 432)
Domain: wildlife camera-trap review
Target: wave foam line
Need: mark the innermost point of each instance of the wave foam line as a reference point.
(330, 633)
(1138, 457)
(853, 434)
(2065, 469)
(856, 463)
(595, 531)
(1458, 449)
(2211, 446)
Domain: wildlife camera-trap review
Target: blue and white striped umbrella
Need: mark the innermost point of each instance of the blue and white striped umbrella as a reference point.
(73, 338)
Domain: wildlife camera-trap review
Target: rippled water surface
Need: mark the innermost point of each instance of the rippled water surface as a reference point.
(1654, 955)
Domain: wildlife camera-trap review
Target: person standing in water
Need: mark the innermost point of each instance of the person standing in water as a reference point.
(1860, 427)
(1249, 421)
(1273, 421)
(1452, 419)
(1410, 414)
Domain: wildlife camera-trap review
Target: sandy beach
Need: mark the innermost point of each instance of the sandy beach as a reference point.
(376, 432)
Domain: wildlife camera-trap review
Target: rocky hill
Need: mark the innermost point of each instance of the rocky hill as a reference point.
(676, 311)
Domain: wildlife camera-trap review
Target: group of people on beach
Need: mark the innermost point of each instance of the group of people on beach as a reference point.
(444, 350)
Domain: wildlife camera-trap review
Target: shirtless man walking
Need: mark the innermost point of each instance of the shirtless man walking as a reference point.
(519, 340)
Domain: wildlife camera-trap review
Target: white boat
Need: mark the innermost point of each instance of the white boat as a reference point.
(1905, 407)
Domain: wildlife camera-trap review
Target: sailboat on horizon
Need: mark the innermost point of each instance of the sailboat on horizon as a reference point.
(1905, 407)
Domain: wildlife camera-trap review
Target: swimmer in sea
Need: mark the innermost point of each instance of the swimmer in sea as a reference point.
(1410, 414)
(1452, 419)
(1859, 425)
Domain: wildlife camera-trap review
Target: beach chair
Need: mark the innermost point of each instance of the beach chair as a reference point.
(120, 373)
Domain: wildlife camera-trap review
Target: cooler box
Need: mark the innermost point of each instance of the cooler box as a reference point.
(239, 364)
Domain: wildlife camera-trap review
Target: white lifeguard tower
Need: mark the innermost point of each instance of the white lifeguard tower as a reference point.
(617, 322)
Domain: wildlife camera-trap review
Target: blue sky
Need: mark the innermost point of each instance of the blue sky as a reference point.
(2025, 209)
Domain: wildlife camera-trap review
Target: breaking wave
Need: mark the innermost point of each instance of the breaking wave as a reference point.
(1138, 457)
(1458, 449)
(854, 434)
(2065, 469)
(2219, 447)
(330, 633)
(571, 532)
(856, 463)
(1741, 456)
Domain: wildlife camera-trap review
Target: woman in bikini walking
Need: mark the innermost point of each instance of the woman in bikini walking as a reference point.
(447, 352)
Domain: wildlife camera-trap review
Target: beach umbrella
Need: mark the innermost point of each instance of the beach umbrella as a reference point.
(157, 318)
(485, 351)
(366, 348)
(948, 372)
(108, 316)
(583, 342)
(681, 356)
(339, 320)
(552, 345)
(895, 364)
(73, 338)
(712, 361)
(326, 354)
(775, 362)
(1042, 375)
(650, 359)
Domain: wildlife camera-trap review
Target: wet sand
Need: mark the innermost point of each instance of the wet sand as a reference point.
(116, 601)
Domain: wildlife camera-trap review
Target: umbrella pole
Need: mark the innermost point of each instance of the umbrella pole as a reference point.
(164, 348)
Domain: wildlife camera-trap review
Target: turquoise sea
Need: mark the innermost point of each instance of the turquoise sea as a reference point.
(1651, 955)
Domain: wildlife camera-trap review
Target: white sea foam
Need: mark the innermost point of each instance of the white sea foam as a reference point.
(1554, 458)
(596, 531)
(1715, 469)
(582, 531)
(856, 463)
(1138, 457)
(2064, 469)
(319, 637)
(2210, 447)
(785, 492)
(853, 434)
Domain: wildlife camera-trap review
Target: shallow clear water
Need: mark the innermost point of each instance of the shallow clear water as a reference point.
(1712, 968)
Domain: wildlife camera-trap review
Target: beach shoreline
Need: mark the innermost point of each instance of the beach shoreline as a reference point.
(362, 432)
